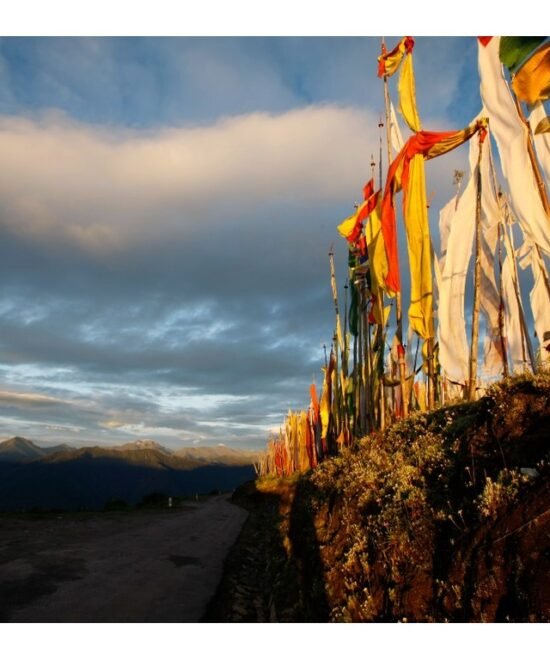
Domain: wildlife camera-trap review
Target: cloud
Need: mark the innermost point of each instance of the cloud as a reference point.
(196, 316)
(106, 189)
(112, 424)
(150, 81)
(172, 280)
(28, 399)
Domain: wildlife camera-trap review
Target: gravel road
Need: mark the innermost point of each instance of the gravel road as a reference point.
(116, 567)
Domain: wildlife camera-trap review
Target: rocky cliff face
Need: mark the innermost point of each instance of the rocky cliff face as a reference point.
(446, 517)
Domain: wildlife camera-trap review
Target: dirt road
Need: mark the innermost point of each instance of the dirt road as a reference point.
(117, 567)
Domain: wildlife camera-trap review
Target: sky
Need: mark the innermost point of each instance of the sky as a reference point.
(163, 257)
(166, 210)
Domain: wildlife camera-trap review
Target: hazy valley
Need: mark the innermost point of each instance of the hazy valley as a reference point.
(33, 477)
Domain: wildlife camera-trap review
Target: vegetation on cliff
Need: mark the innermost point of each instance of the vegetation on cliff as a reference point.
(444, 517)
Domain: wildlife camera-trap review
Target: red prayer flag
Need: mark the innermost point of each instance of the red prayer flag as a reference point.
(430, 144)
(368, 189)
(484, 40)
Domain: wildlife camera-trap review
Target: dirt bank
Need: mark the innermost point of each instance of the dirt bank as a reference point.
(445, 517)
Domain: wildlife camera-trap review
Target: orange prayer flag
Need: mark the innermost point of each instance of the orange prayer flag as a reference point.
(368, 190)
(352, 227)
(430, 145)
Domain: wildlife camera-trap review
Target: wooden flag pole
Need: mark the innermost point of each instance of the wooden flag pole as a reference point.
(360, 366)
(532, 157)
(339, 338)
(398, 310)
(349, 422)
(505, 371)
(501, 237)
(524, 330)
(430, 342)
(336, 398)
(346, 346)
(539, 179)
(477, 279)
(369, 380)
(380, 338)
(363, 394)
(507, 237)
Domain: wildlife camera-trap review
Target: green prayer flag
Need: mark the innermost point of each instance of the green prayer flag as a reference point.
(514, 50)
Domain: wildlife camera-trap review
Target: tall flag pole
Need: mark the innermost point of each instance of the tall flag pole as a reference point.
(498, 198)
(512, 138)
(541, 187)
(539, 180)
(526, 340)
(398, 308)
(380, 339)
(340, 341)
(505, 371)
(369, 398)
(360, 399)
(543, 192)
(477, 278)
(529, 64)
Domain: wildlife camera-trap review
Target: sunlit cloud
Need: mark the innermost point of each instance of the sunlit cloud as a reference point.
(112, 424)
(108, 189)
(25, 399)
(166, 208)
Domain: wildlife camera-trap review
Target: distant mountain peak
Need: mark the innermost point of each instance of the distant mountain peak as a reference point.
(147, 444)
(18, 448)
(142, 444)
(19, 440)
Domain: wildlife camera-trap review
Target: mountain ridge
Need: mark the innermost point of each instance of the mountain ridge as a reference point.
(70, 478)
(19, 450)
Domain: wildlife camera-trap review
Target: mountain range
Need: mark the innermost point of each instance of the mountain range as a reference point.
(70, 478)
(19, 450)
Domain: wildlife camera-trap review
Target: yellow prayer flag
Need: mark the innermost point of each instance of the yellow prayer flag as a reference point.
(325, 405)
(388, 63)
(455, 139)
(377, 252)
(346, 226)
(532, 82)
(407, 95)
(418, 242)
